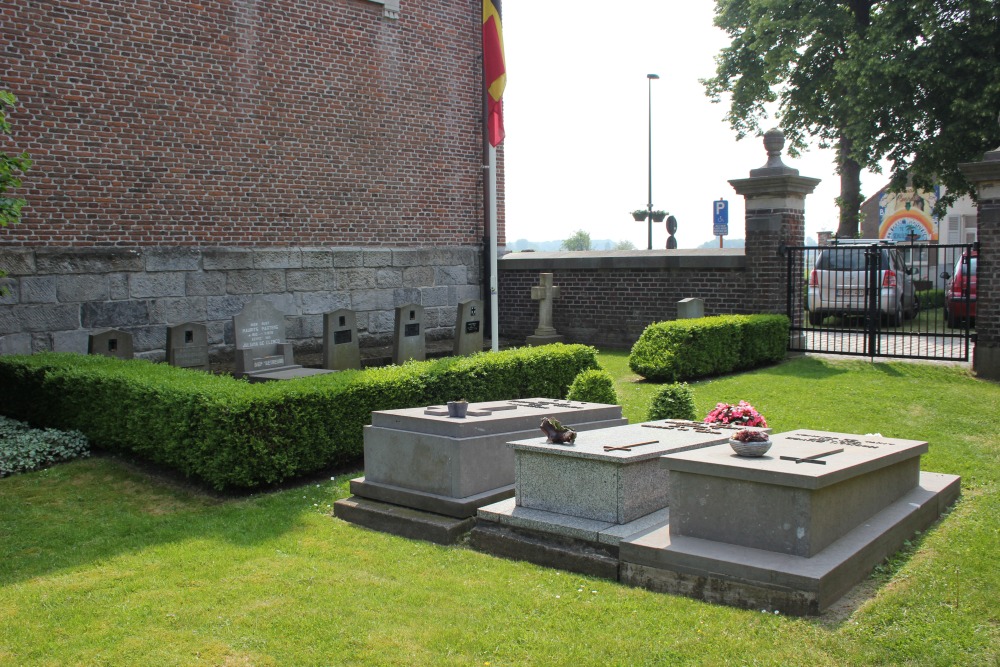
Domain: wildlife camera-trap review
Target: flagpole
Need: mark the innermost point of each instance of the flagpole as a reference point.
(494, 296)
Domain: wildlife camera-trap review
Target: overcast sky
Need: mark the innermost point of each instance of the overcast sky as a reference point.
(576, 118)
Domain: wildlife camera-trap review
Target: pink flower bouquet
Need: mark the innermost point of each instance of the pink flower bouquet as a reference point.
(743, 414)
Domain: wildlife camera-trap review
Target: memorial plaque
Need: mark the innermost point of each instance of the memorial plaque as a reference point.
(408, 340)
(111, 343)
(341, 348)
(468, 327)
(187, 345)
(260, 339)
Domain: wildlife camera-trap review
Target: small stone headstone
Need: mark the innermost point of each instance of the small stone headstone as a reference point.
(340, 340)
(469, 327)
(260, 340)
(187, 345)
(111, 343)
(408, 339)
(690, 309)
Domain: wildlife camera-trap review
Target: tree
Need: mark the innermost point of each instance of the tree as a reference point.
(934, 103)
(872, 78)
(625, 245)
(579, 241)
(10, 167)
(786, 52)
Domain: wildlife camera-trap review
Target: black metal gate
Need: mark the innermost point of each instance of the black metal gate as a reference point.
(880, 299)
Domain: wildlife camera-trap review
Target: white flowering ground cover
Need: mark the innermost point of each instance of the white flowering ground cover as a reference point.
(105, 564)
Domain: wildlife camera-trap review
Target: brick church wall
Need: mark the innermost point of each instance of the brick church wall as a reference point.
(157, 126)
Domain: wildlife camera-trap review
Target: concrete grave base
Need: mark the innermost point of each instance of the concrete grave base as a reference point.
(757, 579)
(402, 521)
(585, 546)
(459, 508)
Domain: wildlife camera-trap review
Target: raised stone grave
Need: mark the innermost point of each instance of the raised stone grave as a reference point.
(408, 339)
(469, 327)
(187, 345)
(111, 343)
(573, 504)
(427, 473)
(262, 352)
(793, 530)
(341, 349)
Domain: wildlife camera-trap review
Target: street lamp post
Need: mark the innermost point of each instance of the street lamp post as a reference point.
(649, 205)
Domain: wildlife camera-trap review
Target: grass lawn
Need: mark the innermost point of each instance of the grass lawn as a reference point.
(102, 564)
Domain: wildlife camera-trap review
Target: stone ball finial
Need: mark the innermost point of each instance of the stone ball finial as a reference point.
(774, 142)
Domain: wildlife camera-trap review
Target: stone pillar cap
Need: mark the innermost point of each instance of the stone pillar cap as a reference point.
(774, 141)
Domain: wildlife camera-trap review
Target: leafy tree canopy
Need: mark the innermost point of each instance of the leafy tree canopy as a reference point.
(914, 82)
(579, 241)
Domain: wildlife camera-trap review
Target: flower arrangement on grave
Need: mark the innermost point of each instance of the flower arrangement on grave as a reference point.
(747, 435)
(742, 414)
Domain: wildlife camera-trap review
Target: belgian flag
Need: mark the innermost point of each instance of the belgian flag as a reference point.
(494, 69)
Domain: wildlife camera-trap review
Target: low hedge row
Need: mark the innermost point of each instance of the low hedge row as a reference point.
(688, 349)
(231, 434)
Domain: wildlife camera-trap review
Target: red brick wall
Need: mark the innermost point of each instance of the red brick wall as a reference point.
(235, 123)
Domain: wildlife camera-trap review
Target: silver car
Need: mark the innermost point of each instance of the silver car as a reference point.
(842, 281)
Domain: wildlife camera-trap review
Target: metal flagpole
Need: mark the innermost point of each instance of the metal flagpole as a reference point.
(494, 297)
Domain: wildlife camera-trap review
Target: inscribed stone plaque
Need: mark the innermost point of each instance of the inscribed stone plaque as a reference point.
(468, 327)
(111, 343)
(260, 339)
(187, 345)
(340, 340)
(408, 339)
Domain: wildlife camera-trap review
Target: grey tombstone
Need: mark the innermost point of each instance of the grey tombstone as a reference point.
(426, 472)
(408, 339)
(690, 308)
(792, 530)
(187, 345)
(340, 340)
(111, 343)
(260, 340)
(469, 327)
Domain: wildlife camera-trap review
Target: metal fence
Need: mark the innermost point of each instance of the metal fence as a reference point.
(880, 299)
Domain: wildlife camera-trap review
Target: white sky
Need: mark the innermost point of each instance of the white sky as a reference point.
(576, 120)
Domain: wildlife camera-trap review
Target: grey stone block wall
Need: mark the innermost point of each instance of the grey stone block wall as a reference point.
(58, 296)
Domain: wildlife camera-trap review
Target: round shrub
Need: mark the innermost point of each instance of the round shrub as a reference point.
(673, 401)
(593, 386)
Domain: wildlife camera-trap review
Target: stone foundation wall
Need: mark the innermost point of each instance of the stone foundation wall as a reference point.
(58, 297)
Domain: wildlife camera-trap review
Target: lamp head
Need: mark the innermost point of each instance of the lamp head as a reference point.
(652, 76)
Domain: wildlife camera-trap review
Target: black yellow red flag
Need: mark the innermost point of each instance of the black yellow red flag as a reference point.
(494, 69)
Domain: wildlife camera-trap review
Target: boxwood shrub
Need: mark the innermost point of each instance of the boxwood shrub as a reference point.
(231, 434)
(593, 386)
(694, 348)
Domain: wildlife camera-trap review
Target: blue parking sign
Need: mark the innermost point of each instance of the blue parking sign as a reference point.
(720, 217)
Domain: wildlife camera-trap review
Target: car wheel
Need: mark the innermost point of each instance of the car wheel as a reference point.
(815, 318)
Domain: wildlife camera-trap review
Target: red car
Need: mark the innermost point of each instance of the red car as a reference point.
(956, 308)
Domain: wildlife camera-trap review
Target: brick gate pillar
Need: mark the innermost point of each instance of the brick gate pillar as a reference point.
(775, 219)
(985, 176)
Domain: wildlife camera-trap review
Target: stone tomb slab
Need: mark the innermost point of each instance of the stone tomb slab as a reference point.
(792, 530)
(421, 458)
(787, 506)
(611, 475)
(187, 345)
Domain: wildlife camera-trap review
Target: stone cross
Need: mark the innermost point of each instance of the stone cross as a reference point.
(545, 293)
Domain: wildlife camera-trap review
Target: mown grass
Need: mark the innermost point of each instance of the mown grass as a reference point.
(101, 563)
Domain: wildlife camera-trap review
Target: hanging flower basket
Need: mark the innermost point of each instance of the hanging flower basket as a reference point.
(658, 216)
(639, 215)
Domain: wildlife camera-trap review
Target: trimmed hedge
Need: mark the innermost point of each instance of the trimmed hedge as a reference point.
(231, 434)
(688, 349)
(593, 386)
(673, 401)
